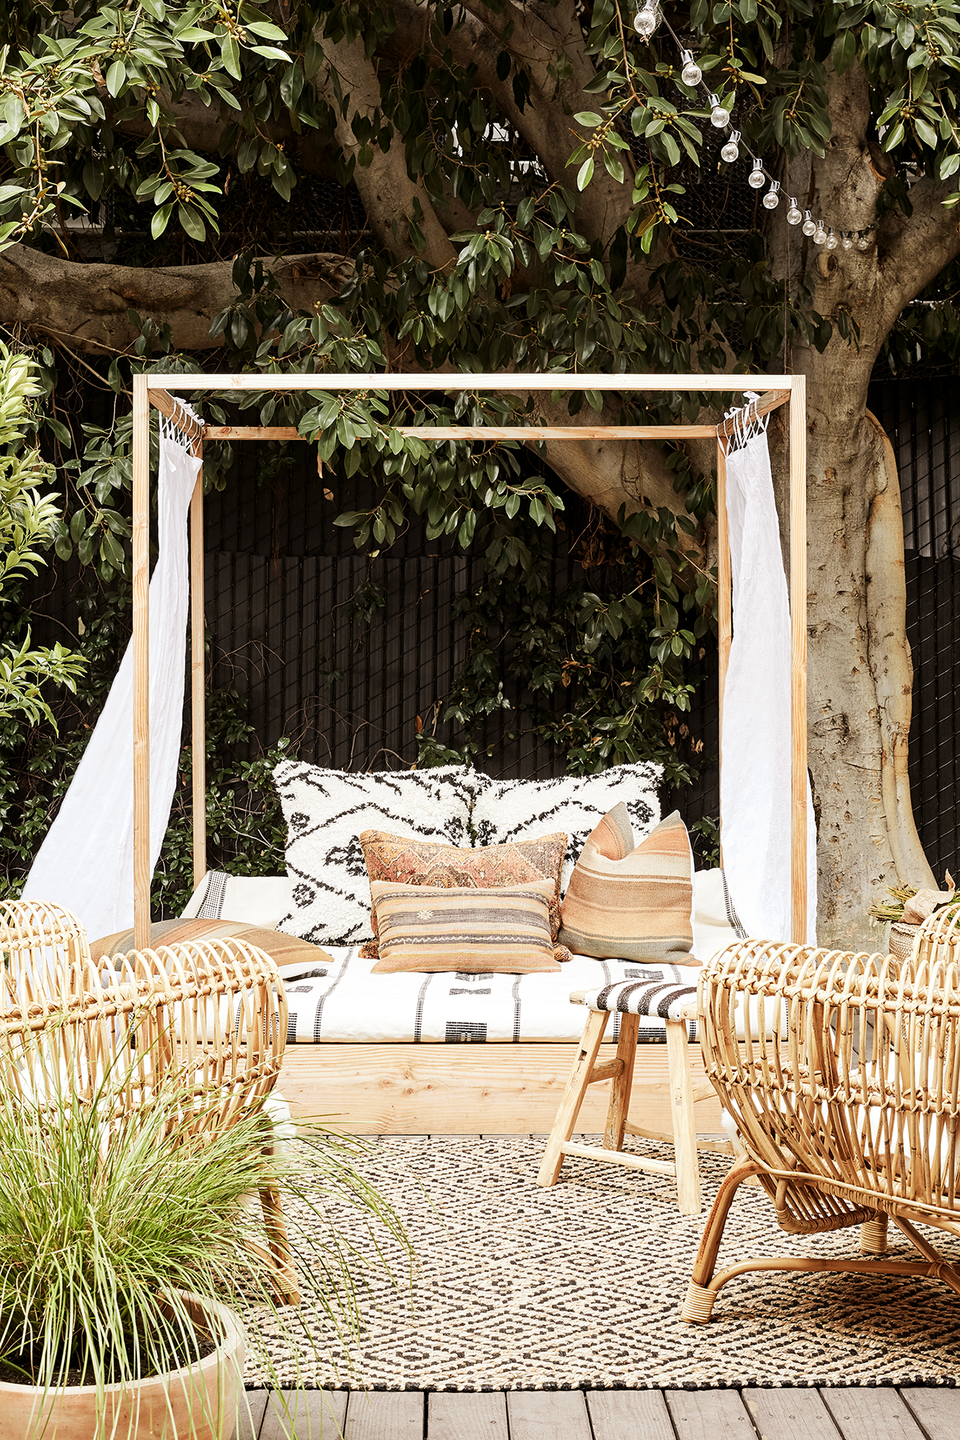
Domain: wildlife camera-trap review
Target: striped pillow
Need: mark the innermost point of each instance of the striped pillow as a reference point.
(464, 929)
(632, 904)
(408, 860)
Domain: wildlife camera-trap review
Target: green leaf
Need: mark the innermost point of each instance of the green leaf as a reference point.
(116, 75)
(588, 118)
(585, 173)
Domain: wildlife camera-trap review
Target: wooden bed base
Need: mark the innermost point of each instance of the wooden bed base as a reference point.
(471, 1089)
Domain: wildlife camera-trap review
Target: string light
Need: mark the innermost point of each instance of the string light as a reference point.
(649, 16)
(719, 117)
(647, 19)
(731, 151)
(691, 74)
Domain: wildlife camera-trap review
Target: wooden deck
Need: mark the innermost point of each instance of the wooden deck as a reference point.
(910, 1413)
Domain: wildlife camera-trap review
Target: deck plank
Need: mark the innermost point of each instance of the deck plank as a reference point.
(467, 1415)
(315, 1413)
(709, 1415)
(937, 1408)
(865, 1412)
(629, 1415)
(252, 1405)
(385, 1415)
(547, 1414)
(785, 1414)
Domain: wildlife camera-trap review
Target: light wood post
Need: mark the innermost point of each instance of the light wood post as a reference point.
(798, 654)
(141, 663)
(197, 677)
(724, 618)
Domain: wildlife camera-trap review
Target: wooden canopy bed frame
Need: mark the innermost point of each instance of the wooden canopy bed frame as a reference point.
(443, 1088)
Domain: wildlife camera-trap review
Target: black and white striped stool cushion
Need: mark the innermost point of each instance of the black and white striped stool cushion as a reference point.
(639, 997)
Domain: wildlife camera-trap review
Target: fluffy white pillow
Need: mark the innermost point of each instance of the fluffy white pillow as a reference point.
(326, 810)
(506, 810)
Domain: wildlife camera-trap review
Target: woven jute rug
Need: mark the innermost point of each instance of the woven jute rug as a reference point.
(516, 1287)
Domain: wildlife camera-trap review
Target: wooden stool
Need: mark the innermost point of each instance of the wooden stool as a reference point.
(676, 1005)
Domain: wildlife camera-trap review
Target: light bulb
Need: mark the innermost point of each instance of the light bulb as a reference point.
(772, 198)
(755, 178)
(847, 242)
(832, 241)
(731, 151)
(863, 243)
(808, 226)
(718, 115)
(691, 73)
(794, 215)
(647, 19)
(819, 235)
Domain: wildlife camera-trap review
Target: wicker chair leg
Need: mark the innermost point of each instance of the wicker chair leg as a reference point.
(698, 1305)
(695, 1307)
(873, 1235)
(285, 1274)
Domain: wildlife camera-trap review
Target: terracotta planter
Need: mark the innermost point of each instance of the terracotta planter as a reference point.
(196, 1403)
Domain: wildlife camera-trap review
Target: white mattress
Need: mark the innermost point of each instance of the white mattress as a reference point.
(345, 1003)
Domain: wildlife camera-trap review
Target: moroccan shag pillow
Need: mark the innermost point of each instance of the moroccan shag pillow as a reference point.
(506, 810)
(407, 860)
(326, 810)
(464, 929)
(632, 903)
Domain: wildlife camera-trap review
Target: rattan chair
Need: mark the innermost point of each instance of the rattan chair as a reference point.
(210, 1015)
(849, 1115)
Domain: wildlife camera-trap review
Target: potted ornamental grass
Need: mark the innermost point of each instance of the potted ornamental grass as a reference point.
(126, 1239)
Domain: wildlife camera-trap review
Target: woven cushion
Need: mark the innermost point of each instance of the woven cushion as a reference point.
(463, 928)
(639, 997)
(326, 810)
(632, 903)
(405, 860)
(506, 810)
(284, 949)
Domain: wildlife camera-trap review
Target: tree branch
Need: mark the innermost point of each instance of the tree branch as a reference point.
(85, 307)
(391, 199)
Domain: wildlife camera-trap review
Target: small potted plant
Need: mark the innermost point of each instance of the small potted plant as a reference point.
(123, 1241)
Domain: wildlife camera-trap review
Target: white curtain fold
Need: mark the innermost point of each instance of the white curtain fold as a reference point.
(755, 771)
(86, 860)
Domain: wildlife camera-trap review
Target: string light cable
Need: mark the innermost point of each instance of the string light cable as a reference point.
(647, 20)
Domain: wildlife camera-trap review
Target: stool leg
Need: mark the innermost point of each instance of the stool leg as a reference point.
(622, 1083)
(683, 1118)
(573, 1094)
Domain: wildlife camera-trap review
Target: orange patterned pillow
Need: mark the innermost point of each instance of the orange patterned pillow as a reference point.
(463, 928)
(405, 860)
(632, 902)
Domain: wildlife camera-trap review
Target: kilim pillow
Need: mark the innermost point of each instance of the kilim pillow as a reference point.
(632, 903)
(506, 810)
(325, 811)
(407, 860)
(464, 929)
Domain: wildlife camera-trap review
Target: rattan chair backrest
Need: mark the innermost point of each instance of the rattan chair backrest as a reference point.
(210, 1015)
(863, 1093)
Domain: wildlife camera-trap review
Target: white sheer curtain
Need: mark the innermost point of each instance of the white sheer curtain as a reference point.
(86, 860)
(755, 757)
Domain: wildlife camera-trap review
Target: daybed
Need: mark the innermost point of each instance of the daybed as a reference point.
(443, 1052)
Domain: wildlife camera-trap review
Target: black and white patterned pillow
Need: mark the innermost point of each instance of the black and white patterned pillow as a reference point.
(326, 810)
(506, 810)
